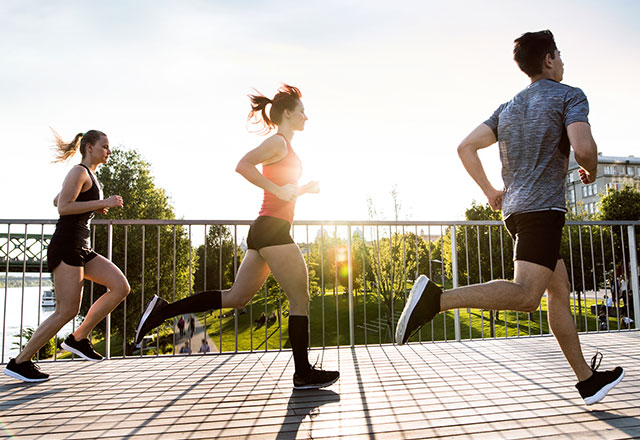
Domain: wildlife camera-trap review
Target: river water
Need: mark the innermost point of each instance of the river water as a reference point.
(11, 317)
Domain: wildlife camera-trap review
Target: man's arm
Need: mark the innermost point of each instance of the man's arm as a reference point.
(585, 149)
(479, 138)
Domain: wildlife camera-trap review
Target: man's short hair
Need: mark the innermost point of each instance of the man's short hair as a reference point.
(530, 50)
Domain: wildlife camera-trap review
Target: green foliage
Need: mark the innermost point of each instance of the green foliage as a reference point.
(623, 204)
(150, 256)
(219, 258)
(45, 352)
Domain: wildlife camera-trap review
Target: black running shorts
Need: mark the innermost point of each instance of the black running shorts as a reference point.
(268, 231)
(537, 236)
(73, 255)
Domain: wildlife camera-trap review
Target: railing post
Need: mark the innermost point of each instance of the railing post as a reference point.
(351, 313)
(107, 343)
(633, 261)
(454, 278)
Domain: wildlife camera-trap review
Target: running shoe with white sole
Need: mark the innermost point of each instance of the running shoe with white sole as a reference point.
(25, 371)
(421, 307)
(150, 318)
(82, 348)
(594, 389)
(316, 378)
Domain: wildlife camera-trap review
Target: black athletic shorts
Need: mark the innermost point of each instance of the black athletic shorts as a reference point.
(73, 255)
(538, 236)
(268, 231)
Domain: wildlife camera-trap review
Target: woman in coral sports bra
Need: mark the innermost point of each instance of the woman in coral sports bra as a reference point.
(270, 246)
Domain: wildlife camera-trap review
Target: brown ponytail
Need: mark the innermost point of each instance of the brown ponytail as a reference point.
(287, 97)
(64, 150)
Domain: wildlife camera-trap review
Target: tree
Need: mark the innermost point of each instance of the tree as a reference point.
(129, 175)
(623, 204)
(219, 258)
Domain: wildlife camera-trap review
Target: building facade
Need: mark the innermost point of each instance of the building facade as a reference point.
(613, 172)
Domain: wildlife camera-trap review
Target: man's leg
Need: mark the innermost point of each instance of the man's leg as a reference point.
(427, 300)
(561, 322)
(522, 294)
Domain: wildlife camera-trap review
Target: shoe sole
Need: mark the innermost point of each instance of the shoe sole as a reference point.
(316, 386)
(15, 375)
(70, 349)
(145, 315)
(416, 293)
(597, 397)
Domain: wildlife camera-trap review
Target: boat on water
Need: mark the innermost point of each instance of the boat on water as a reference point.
(48, 298)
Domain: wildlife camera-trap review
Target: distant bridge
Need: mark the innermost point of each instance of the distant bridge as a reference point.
(26, 252)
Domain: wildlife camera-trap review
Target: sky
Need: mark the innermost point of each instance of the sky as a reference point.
(390, 89)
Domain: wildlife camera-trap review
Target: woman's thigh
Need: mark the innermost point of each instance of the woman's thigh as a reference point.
(103, 271)
(289, 269)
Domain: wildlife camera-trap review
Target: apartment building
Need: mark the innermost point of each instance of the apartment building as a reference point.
(613, 172)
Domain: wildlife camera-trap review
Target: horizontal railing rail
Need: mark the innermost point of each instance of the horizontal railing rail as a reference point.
(360, 275)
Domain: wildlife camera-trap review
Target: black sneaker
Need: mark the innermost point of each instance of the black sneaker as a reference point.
(26, 371)
(316, 378)
(82, 348)
(421, 307)
(600, 383)
(150, 318)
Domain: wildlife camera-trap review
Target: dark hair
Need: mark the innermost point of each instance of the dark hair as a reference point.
(530, 50)
(288, 97)
(64, 150)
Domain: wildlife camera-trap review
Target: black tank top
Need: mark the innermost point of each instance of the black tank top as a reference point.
(74, 228)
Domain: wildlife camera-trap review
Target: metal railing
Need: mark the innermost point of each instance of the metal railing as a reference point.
(360, 274)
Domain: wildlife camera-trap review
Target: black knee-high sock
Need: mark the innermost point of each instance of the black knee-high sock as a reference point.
(198, 302)
(299, 337)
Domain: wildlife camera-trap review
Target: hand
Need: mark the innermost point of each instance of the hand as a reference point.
(103, 211)
(113, 202)
(495, 199)
(288, 192)
(312, 187)
(585, 177)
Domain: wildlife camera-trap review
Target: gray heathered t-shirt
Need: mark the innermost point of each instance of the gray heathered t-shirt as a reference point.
(534, 147)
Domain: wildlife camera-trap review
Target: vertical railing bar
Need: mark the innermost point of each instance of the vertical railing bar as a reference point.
(431, 278)
(624, 271)
(480, 281)
(444, 315)
(235, 273)
(107, 332)
(235, 247)
(124, 302)
(584, 285)
(391, 271)
(350, 290)
(379, 270)
(604, 282)
(204, 280)
(24, 270)
(173, 293)
(573, 291)
(40, 282)
(364, 283)
(492, 313)
(335, 282)
(633, 262)
(158, 277)
(503, 274)
(322, 288)
(466, 259)
(454, 281)
(593, 273)
(142, 286)
(6, 292)
(615, 278)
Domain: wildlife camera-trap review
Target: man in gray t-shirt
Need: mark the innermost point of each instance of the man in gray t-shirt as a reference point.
(535, 131)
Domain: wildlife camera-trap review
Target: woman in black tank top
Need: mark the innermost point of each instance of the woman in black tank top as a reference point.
(71, 259)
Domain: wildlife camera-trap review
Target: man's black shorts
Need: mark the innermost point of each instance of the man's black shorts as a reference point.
(268, 231)
(538, 236)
